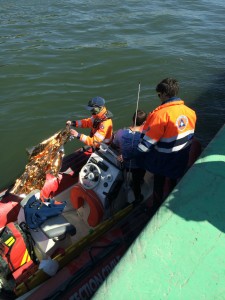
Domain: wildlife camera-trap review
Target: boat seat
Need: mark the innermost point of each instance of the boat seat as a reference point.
(57, 227)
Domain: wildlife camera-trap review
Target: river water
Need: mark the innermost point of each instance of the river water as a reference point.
(56, 55)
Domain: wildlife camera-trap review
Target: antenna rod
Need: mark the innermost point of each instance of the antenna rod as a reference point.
(138, 97)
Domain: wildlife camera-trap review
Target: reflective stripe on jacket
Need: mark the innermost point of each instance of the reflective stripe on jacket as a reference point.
(101, 129)
(169, 128)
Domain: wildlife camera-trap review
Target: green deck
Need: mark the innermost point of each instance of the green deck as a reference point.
(181, 252)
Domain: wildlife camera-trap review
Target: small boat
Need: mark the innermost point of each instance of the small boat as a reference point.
(67, 221)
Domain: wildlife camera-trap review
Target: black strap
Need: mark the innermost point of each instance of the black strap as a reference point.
(29, 242)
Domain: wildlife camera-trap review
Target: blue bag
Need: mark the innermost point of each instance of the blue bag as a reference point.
(36, 211)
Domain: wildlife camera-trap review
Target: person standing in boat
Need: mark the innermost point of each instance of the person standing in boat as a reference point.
(100, 123)
(166, 139)
(125, 141)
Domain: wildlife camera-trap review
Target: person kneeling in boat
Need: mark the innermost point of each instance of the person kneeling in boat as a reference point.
(100, 123)
(125, 141)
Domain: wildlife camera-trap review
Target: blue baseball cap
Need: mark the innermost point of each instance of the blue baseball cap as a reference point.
(95, 102)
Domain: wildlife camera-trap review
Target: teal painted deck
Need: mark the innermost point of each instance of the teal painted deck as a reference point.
(181, 252)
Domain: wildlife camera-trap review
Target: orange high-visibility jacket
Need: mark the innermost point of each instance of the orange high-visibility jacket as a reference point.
(169, 128)
(101, 129)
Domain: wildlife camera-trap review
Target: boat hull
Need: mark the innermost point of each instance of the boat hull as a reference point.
(85, 259)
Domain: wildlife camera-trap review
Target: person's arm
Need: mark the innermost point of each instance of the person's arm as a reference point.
(152, 132)
(94, 141)
(84, 123)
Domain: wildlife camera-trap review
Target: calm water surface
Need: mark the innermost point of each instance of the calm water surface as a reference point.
(56, 55)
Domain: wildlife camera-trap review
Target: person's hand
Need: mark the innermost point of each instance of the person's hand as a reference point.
(68, 123)
(73, 132)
